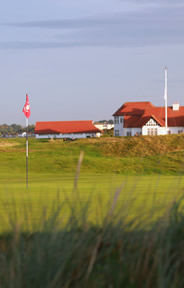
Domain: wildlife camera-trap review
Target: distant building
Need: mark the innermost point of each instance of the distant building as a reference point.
(66, 129)
(104, 126)
(143, 118)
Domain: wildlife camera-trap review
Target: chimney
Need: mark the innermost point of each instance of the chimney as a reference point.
(176, 106)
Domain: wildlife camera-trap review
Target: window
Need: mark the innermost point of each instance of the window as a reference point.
(116, 120)
(121, 120)
(152, 131)
(116, 133)
(129, 133)
(180, 131)
(138, 134)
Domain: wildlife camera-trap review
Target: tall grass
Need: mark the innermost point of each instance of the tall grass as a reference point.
(121, 251)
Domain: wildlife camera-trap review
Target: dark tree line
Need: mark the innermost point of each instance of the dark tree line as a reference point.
(14, 129)
(106, 121)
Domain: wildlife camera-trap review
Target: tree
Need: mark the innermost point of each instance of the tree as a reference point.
(14, 129)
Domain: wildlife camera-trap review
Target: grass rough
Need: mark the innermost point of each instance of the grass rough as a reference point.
(116, 254)
(124, 155)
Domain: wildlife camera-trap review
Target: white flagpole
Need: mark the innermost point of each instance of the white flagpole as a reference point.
(165, 98)
(27, 152)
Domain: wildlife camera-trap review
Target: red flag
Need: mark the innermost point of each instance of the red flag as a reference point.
(26, 108)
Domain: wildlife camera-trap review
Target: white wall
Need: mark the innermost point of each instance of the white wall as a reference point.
(174, 130)
(72, 135)
(162, 130)
(134, 131)
(119, 126)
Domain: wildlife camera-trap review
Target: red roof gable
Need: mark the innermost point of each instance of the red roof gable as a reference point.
(65, 127)
(140, 121)
(137, 114)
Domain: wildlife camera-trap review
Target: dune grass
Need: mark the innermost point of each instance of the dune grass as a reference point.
(120, 252)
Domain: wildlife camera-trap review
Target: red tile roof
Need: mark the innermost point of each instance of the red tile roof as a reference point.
(137, 114)
(135, 108)
(65, 127)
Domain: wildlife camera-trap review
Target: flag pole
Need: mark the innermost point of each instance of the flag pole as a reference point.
(27, 152)
(27, 113)
(165, 98)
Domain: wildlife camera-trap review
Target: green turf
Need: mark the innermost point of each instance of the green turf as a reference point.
(148, 169)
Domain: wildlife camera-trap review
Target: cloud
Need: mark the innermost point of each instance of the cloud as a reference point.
(131, 29)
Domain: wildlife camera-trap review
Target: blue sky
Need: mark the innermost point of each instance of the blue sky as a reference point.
(81, 60)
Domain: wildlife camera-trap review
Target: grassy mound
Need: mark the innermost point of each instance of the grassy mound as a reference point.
(127, 155)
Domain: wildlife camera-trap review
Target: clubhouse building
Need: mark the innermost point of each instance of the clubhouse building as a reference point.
(143, 118)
